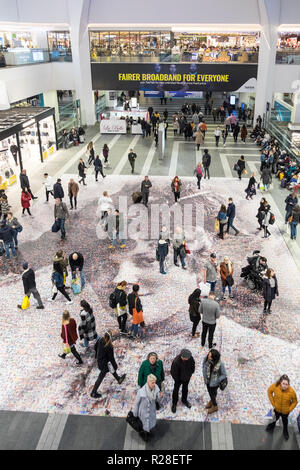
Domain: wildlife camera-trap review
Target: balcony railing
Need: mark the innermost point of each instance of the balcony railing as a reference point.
(20, 57)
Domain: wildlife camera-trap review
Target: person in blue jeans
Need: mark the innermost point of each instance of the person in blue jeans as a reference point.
(231, 216)
(294, 221)
(210, 272)
(76, 261)
(15, 225)
(87, 327)
(6, 235)
(290, 202)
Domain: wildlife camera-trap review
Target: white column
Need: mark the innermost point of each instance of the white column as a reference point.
(295, 117)
(81, 59)
(50, 99)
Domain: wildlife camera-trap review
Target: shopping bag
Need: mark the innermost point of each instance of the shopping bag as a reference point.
(134, 422)
(67, 348)
(76, 286)
(26, 303)
(205, 289)
(261, 187)
(217, 225)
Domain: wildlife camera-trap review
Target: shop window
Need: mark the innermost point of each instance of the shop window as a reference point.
(125, 49)
(114, 44)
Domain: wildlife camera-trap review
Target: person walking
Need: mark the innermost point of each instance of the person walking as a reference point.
(76, 261)
(82, 173)
(61, 258)
(261, 212)
(69, 337)
(29, 284)
(210, 272)
(152, 365)
(73, 190)
(244, 133)
(214, 373)
(241, 166)
(290, 202)
(251, 188)
(136, 311)
(87, 326)
(120, 309)
(145, 189)
(194, 307)
(214, 114)
(199, 139)
(224, 136)
(206, 161)
(222, 218)
(90, 152)
(217, 134)
(179, 247)
(162, 251)
(199, 174)
(176, 186)
(25, 202)
(105, 204)
(58, 283)
(58, 190)
(61, 214)
(105, 152)
(236, 132)
(48, 186)
(115, 228)
(98, 168)
(283, 398)
(226, 272)
(231, 216)
(266, 220)
(270, 290)
(294, 220)
(16, 227)
(4, 206)
(7, 236)
(182, 369)
(147, 401)
(210, 311)
(266, 177)
(104, 352)
(24, 183)
(132, 158)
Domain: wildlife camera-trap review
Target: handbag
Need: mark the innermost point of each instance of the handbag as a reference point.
(137, 317)
(19, 229)
(26, 303)
(236, 167)
(134, 422)
(229, 280)
(186, 249)
(223, 384)
(67, 348)
(217, 225)
(76, 286)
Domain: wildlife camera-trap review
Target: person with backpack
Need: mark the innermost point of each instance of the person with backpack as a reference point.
(104, 353)
(214, 374)
(69, 336)
(290, 202)
(269, 219)
(283, 398)
(270, 289)
(136, 310)
(118, 301)
(87, 326)
(206, 161)
(194, 307)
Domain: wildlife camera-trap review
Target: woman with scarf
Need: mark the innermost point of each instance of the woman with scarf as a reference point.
(213, 373)
(87, 326)
(147, 401)
(194, 304)
(251, 189)
(176, 188)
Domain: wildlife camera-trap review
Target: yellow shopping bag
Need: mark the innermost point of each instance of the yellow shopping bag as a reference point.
(26, 303)
(217, 225)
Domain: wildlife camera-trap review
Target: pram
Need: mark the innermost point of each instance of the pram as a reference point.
(253, 272)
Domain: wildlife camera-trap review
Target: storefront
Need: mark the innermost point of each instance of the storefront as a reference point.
(27, 136)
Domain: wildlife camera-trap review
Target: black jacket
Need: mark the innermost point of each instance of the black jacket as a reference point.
(182, 371)
(98, 164)
(58, 191)
(241, 164)
(162, 250)
(104, 355)
(231, 211)
(81, 168)
(28, 279)
(206, 160)
(194, 310)
(267, 292)
(24, 181)
(145, 186)
(6, 234)
(121, 297)
(78, 264)
(132, 156)
(131, 302)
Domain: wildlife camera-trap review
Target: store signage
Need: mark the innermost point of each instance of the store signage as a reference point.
(28, 123)
(167, 77)
(113, 126)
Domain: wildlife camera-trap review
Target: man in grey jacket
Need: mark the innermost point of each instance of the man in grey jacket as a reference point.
(210, 311)
(60, 214)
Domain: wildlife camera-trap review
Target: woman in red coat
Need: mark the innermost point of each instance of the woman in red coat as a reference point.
(69, 336)
(25, 201)
(244, 133)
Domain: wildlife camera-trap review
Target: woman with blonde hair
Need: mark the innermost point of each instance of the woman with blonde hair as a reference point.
(226, 272)
(198, 172)
(69, 336)
(90, 153)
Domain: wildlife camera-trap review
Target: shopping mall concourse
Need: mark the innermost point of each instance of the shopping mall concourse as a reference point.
(149, 210)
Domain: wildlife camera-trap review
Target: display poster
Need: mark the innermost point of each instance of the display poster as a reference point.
(113, 126)
(177, 77)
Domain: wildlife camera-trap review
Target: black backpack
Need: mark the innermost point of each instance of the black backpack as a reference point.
(113, 300)
(272, 219)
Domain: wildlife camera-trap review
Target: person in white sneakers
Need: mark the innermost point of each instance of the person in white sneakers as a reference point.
(48, 186)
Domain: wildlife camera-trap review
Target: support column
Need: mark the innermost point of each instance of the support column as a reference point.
(50, 100)
(295, 117)
(79, 10)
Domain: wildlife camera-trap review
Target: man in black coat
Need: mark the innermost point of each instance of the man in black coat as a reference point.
(206, 161)
(58, 191)
(145, 187)
(106, 362)
(182, 370)
(76, 261)
(29, 284)
(132, 157)
(24, 183)
(98, 168)
(231, 216)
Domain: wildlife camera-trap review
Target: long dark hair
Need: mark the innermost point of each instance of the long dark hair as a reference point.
(86, 306)
(194, 296)
(215, 357)
(281, 379)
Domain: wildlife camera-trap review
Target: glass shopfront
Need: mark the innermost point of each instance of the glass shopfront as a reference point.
(167, 46)
(288, 48)
(59, 44)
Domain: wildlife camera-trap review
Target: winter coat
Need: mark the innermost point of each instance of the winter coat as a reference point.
(182, 371)
(222, 217)
(57, 278)
(13, 223)
(146, 369)
(25, 200)
(163, 250)
(98, 164)
(78, 264)
(4, 207)
(290, 202)
(241, 164)
(179, 186)
(146, 409)
(73, 189)
(283, 401)
(24, 181)
(198, 171)
(71, 332)
(87, 326)
(28, 279)
(81, 169)
(244, 133)
(145, 187)
(6, 234)
(63, 263)
(266, 176)
(199, 138)
(58, 191)
(217, 375)
(194, 310)
(224, 271)
(231, 211)
(206, 160)
(105, 354)
(267, 291)
(61, 211)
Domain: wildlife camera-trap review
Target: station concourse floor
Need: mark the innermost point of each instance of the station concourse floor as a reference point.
(25, 430)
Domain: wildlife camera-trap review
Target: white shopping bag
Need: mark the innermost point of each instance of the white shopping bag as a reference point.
(205, 289)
